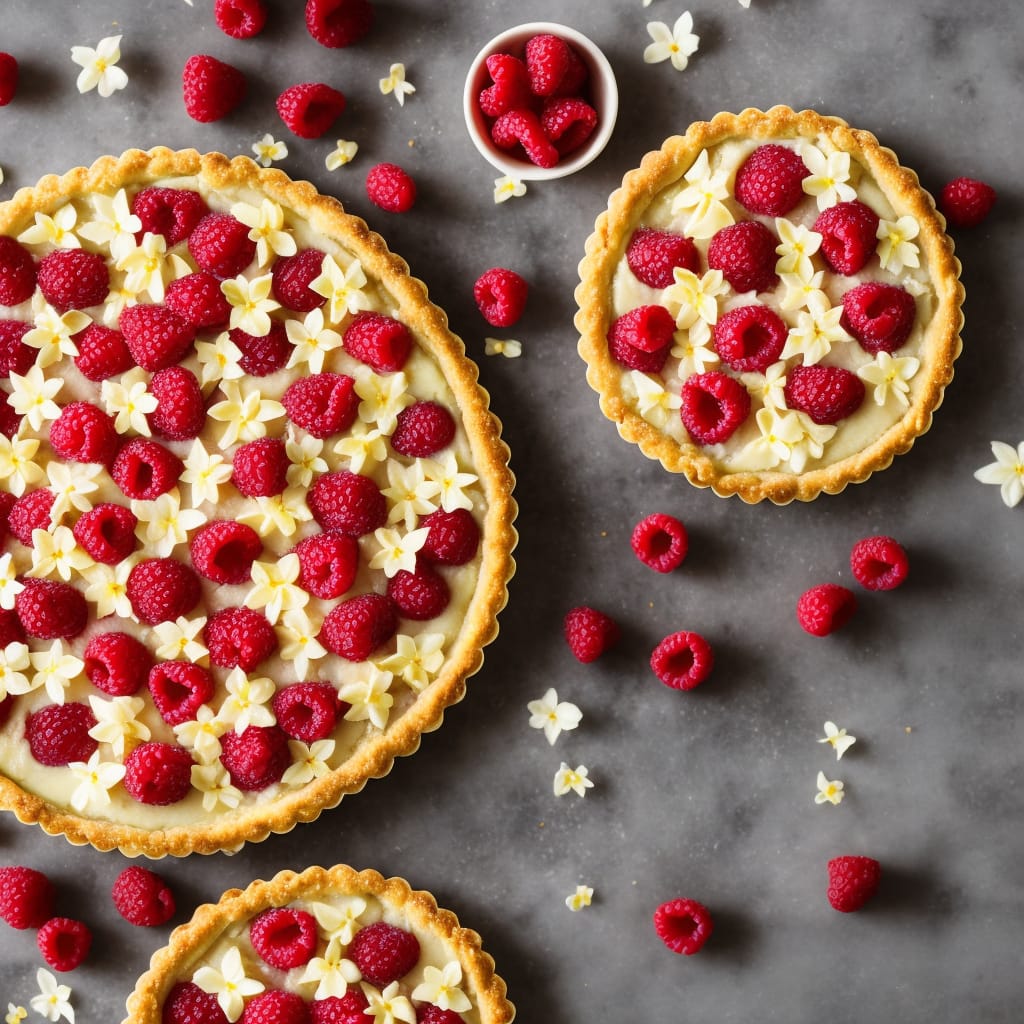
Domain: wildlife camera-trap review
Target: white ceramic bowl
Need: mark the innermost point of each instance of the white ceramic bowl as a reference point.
(604, 96)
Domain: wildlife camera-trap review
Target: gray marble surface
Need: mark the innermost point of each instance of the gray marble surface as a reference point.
(708, 794)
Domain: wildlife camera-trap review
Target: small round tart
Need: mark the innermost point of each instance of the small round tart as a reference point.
(770, 305)
(349, 941)
(257, 516)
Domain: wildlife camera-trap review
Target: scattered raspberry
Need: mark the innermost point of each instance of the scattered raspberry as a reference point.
(522, 128)
(240, 19)
(29, 513)
(827, 394)
(308, 711)
(745, 254)
(107, 532)
(683, 660)
(848, 235)
(309, 109)
(51, 610)
(263, 356)
(15, 355)
(117, 663)
(825, 608)
(158, 773)
(198, 299)
(73, 279)
(220, 244)
(180, 411)
(347, 502)
(276, 1007)
(357, 626)
(770, 180)
(284, 937)
(83, 432)
(511, 88)
(155, 335)
(852, 881)
(880, 316)
(322, 403)
(102, 353)
(500, 296)
(26, 897)
(383, 953)
(58, 734)
(428, 1013)
(391, 188)
(223, 551)
(419, 595)
(750, 338)
(350, 1009)
(547, 61)
(211, 88)
(162, 589)
(8, 78)
(879, 563)
(239, 637)
(648, 329)
(145, 469)
(255, 758)
(714, 406)
(179, 689)
(422, 430)
(337, 23)
(142, 897)
(660, 541)
(966, 202)
(64, 943)
(187, 1003)
(568, 122)
(292, 276)
(381, 342)
(328, 563)
(17, 272)
(453, 538)
(683, 925)
(653, 256)
(625, 353)
(589, 633)
(260, 467)
(171, 212)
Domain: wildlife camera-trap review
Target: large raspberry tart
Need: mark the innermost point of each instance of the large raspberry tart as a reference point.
(257, 515)
(337, 943)
(770, 305)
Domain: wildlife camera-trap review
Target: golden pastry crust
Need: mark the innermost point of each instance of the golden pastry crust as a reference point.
(428, 323)
(605, 248)
(188, 942)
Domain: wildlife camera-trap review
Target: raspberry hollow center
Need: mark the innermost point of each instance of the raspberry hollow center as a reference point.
(680, 662)
(233, 558)
(681, 926)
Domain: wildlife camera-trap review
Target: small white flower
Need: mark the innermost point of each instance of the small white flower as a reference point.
(178, 640)
(114, 225)
(890, 376)
(72, 485)
(312, 340)
(694, 349)
(163, 524)
(332, 973)
(53, 1001)
(15, 1014)
(274, 588)
(266, 222)
(389, 1006)
(396, 83)
(99, 67)
(654, 402)
(202, 736)
(95, 780)
(510, 348)
(297, 637)
(205, 473)
(308, 762)
(416, 659)
(440, 987)
(575, 779)
(219, 360)
(108, 589)
(56, 551)
(703, 199)
(409, 493)
(383, 398)
(506, 188)
(278, 513)
(553, 716)
(453, 482)
(343, 288)
(339, 920)
(581, 898)
(369, 698)
(1007, 472)
(251, 304)
(695, 298)
(228, 983)
(245, 417)
(214, 782)
(57, 230)
(841, 742)
(14, 660)
(268, 149)
(18, 466)
(829, 791)
(145, 266)
(828, 177)
(362, 447)
(802, 290)
(246, 702)
(129, 402)
(55, 670)
(304, 455)
(745, 4)
(52, 335)
(797, 244)
(397, 551)
(817, 329)
(343, 153)
(769, 387)
(896, 249)
(676, 44)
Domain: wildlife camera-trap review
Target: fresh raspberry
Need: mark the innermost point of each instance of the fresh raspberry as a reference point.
(660, 541)
(391, 188)
(381, 342)
(852, 881)
(770, 180)
(589, 633)
(51, 610)
(239, 637)
(683, 925)
(574, 81)
(511, 88)
(64, 943)
(827, 394)
(349, 1009)
(10, 418)
(683, 660)
(522, 128)
(179, 689)
(142, 897)
(145, 469)
(745, 254)
(102, 353)
(848, 235)
(6, 707)
(966, 202)
(328, 563)
(276, 1007)
(220, 244)
(223, 551)
(647, 328)
(171, 212)
(15, 355)
(117, 663)
(879, 563)
(11, 630)
(155, 335)
(322, 403)
(257, 757)
(428, 1013)
(337, 23)
(266, 355)
(26, 897)
(240, 19)
(383, 952)
(547, 61)
(568, 122)
(357, 626)
(347, 502)
(453, 538)
(107, 532)
(750, 338)
(880, 316)
(73, 279)
(29, 513)
(825, 608)
(211, 89)
(422, 430)
(625, 353)
(7, 501)
(198, 299)
(284, 937)
(158, 773)
(162, 589)
(714, 406)
(180, 411)
(8, 78)
(500, 296)
(187, 1003)
(291, 277)
(260, 468)
(83, 432)
(17, 272)
(308, 711)
(653, 255)
(419, 595)
(310, 108)
(58, 734)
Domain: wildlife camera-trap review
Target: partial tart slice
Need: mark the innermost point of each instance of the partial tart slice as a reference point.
(260, 515)
(333, 939)
(770, 305)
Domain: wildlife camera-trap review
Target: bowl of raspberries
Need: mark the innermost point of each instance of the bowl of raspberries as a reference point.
(540, 101)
